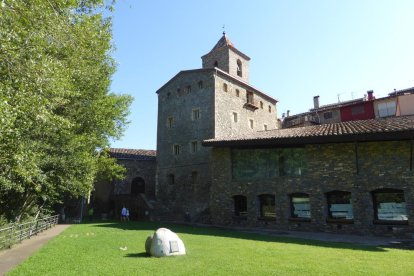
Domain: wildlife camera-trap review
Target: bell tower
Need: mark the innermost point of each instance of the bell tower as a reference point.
(227, 58)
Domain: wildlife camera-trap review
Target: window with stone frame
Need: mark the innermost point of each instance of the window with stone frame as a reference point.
(240, 206)
(339, 205)
(194, 146)
(270, 109)
(237, 93)
(225, 87)
(300, 205)
(251, 123)
(171, 179)
(170, 122)
(235, 117)
(176, 149)
(250, 97)
(267, 206)
(261, 104)
(195, 114)
(239, 68)
(188, 89)
(389, 206)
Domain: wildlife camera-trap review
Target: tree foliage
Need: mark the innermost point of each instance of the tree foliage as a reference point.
(56, 112)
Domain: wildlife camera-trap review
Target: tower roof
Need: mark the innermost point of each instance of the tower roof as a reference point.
(224, 41)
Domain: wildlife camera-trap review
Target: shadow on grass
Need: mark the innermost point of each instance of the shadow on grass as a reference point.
(137, 255)
(236, 234)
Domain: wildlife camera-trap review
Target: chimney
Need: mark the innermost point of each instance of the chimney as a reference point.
(370, 96)
(287, 113)
(316, 102)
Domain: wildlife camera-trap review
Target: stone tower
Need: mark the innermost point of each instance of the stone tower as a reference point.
(227, 58)
(195, 105)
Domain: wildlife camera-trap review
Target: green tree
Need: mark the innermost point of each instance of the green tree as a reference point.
(56, 111)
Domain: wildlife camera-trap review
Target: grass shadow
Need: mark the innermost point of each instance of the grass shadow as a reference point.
(238, 234)
(138, 255)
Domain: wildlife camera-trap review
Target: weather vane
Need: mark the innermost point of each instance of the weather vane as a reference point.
(224, 29)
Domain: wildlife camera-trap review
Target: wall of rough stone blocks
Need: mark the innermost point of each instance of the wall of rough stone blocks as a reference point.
(221, 56)
(227, 103)
(329, 167)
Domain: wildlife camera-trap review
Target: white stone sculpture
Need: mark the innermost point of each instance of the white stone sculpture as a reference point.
(164, 242)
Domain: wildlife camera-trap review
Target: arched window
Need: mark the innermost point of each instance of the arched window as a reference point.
(239, 68)
(267, 206)
(389, 205)
(137, 186)
(216, 63)
(240, 206)
(300, 205)
(339, 205)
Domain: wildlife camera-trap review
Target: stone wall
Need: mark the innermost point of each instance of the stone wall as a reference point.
(189, 194)
(227, 103)
(220, 55)
(357, 168)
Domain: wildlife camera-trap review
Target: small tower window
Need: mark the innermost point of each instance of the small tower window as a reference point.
(194, 146)
(251, 123)
(200, 84)
(189, 89)
(261, 104)
(225, 87)
(270, 109)
(170, 122)
(237, 92)
(171, 179)
(176, 149)
(249, 97)
(235, 117)
(239, 68)
(216, 64)
(195, 115)
(265, 127)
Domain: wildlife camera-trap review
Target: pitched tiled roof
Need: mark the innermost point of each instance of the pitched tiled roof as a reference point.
(224, 41)
(136, 154)
(395, 128)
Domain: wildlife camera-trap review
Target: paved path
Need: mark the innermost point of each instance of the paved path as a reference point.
(18, 253)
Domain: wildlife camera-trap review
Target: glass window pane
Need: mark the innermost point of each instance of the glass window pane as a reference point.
(300, 206)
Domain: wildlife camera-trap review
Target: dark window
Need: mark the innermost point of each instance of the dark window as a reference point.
(339, 205)
(216, 64)
(249, 97)
(176, 149)
(264, 127)
(270, 109)
(389, 205)
(200, 84)
(267, 206)
(357, 110)
(171, 179)
(261, 104)
(300, 205)
(327, 115)
(194, 146)
(170, 122)
(195, 115)
(189, 89)
(240, 206)
(194, 177)
(239, 68)
(225, 88)
(237, 92)
(137, 186)
(168, 94)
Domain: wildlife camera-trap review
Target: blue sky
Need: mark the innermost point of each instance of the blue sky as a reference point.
(298, 49)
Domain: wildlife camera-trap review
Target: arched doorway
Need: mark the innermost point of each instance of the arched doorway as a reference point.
(137, 186)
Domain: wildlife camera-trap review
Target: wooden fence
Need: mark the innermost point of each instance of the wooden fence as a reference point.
(17, 232)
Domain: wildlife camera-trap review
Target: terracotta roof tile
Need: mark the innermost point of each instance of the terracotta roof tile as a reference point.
(137, 154)
(364, 130)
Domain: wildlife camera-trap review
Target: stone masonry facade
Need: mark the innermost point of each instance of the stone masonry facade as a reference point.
(359, 168)
(201, 104)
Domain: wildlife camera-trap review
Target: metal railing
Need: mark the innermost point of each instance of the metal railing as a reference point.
(17, 232)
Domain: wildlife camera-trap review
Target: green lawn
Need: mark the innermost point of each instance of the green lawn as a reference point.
(94, 249)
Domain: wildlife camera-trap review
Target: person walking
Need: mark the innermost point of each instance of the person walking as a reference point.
(123, 214)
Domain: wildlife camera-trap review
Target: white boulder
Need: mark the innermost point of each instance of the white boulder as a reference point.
(166, 243)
